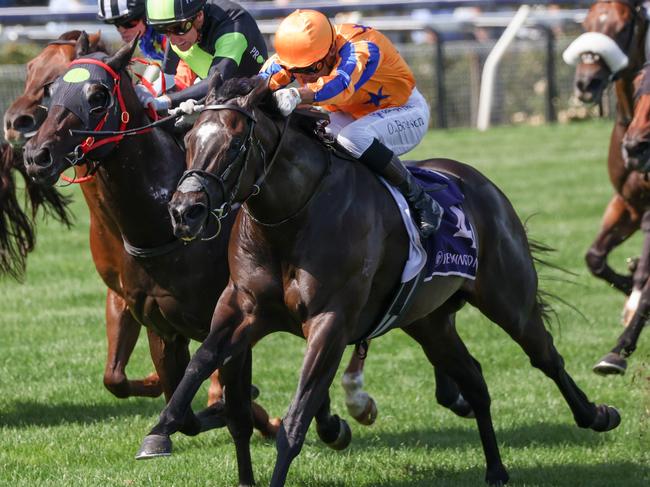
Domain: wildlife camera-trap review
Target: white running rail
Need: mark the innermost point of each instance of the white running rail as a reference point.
(492, 63)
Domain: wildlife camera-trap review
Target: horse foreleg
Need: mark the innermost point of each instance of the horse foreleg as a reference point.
(236, 377)
(619, 222)
(360, 404)
(615, 361)
(170, 357)
(122, 332)
(267, 426)
(437, 336)
(226, 340)
(325, 346)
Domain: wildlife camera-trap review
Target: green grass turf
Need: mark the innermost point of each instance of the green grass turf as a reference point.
(59, 426)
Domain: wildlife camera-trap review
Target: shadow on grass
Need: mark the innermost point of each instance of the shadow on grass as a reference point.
(453, 437)
(603, 475)
(20, 414)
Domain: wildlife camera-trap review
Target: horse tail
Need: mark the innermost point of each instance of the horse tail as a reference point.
(16, 228)
(539, 251)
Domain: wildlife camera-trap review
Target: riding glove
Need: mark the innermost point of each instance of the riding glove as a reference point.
(160, 103)
(287, 99)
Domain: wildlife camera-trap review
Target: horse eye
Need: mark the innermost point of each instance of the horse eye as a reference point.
(98, 101)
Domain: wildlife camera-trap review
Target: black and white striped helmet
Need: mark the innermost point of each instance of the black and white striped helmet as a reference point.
(112, 11)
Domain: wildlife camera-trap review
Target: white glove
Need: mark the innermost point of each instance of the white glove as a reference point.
(188, 107)
(146, 98)
(287, 99)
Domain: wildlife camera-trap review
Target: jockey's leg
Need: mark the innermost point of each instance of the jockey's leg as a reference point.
(377, 138)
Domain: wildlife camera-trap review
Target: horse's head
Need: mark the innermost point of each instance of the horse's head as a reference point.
(28, 111)
(636, 141)
(92, 95)
(614, 39)
(221, 167)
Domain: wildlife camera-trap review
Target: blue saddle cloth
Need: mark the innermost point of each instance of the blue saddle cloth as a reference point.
(452, 250)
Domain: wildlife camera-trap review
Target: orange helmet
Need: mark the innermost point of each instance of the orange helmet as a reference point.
(303, 38)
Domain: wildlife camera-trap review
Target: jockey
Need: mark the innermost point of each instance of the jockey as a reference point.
(214, 37)
(128, 17)
(355, 72)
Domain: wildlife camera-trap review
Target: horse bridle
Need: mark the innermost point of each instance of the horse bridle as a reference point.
(631, 27)
(201, 179)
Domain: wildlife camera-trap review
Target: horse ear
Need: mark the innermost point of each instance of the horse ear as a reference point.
(95, 42)
(121, 58)
(214, 83)
(82, 47)
(260, 91)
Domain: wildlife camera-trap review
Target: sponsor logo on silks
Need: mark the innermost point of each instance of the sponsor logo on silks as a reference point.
(447, 258)
(76, 75)
(257, 55)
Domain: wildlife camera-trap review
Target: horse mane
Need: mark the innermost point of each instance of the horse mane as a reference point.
(237, 87)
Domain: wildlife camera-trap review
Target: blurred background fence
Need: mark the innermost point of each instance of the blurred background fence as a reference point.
(446, 49)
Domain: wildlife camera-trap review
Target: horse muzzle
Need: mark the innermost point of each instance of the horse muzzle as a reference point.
(39, 164)
(188, 218)
(636, 154)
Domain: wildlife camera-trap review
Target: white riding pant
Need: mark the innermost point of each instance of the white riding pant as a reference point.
(398, 128)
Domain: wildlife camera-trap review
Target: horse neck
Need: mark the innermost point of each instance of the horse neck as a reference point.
(299, 168)
(136, 181)
(624, 86)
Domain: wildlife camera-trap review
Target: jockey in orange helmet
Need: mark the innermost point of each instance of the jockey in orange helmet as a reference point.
(355, 72)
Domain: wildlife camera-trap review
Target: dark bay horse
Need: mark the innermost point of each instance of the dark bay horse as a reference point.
(22, 119)
(17, 224)
(318, 251)
(614, 53)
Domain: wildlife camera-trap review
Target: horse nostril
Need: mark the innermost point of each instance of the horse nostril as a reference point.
(24, 123)
(636, 147)
(40, 157)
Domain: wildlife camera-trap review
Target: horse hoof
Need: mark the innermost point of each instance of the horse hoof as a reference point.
(154, 446)
(607, 418)
(369, 414)
(611, 364)
(462, 408)
(497, 477)
(343, 435)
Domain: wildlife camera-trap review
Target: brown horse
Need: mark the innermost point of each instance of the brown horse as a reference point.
(616, 51)
(17, 225)
(22, 119)
(286, 277)
(636, 153)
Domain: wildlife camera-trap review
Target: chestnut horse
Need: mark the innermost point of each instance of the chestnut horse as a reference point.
(17, 232)
(613, 48)
(286, 277)
(636, 152)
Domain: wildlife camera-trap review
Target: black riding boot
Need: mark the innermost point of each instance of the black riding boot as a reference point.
(427, 211)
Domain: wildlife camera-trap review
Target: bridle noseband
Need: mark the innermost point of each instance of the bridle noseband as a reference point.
(201, 180)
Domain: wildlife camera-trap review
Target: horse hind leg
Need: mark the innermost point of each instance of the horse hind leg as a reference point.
(526, 327)
(122, 332)
(361, 405)
(439, 340)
